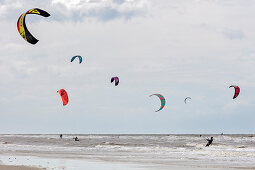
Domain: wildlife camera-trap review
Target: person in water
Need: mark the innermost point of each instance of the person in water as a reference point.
(76, 139)
(60, 136)
(209, 142)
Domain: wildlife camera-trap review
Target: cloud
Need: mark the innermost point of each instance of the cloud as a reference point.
(179, 49)
(100, 9)
(234, 34)
(77, 10)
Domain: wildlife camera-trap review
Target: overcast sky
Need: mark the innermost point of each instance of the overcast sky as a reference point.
(177, 48)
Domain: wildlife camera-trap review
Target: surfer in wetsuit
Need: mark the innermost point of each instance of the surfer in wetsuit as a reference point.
(76, 139)
(60, 136)
(209, 142)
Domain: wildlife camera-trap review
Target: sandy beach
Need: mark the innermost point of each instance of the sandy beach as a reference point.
(9, 167)
(33, 163)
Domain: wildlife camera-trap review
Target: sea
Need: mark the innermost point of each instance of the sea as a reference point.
(124, 151)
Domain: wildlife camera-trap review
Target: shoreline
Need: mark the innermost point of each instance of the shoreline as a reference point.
(21, 162)
(17, 167)
(136, 152)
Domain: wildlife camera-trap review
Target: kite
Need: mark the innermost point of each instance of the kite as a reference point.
(116, 79)
(64, 96)
(80, 58)
(237, 90)
(186, 99)
(162, 99)
(22, 28)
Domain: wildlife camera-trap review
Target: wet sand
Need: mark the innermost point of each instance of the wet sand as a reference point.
(9, 167)
(48, 162)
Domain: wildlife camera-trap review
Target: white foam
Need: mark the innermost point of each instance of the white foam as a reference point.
(148, 148)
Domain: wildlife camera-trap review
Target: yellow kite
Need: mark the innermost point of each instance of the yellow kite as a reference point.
(21, 24)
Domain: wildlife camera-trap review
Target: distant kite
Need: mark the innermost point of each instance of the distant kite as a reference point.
(162, 99)
(116, 79)
(64, 96)
(80, 58)
(186, 99)
(237, 90)
(22, 28)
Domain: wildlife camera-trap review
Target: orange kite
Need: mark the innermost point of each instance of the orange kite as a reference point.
(64, 96)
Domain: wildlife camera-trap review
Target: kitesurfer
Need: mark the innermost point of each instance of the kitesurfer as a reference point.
(209, 142)
(76, 139)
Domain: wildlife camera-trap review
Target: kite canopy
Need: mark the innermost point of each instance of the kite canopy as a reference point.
(162, 99)
(237, 90)
(64, 96)
(186, 99)
(80, 58)
(22, 28)
(116, 79)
